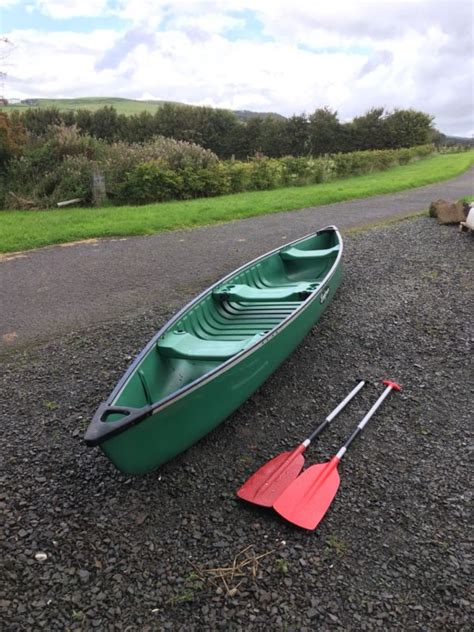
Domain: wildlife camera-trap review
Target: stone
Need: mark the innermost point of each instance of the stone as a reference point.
(448, 212)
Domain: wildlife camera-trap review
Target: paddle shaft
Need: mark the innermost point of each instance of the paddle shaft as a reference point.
(365, 420)
(306, 500)
(294, 454)
(334, 414)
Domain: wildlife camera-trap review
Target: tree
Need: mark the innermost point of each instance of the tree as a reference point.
(251, 137)
(213, 129)
(105, 124)
(272, 137)
(324, 132)
(12, 138)
(172, 121)
(38, 121)
(84, 121)
(368, 131)
(407, 128)
(297, 135)
(137, 128)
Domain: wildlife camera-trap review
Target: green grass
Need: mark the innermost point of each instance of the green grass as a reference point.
(23, 230)
(384, 223)
(123, 106)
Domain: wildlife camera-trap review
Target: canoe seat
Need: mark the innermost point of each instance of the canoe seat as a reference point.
(180, 344)
(247, 293)
(292, 254)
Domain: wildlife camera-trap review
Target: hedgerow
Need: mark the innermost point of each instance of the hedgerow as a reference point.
(64, 165)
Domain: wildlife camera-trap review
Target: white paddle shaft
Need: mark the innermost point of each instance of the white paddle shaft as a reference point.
(364, 421)
(377, 404)
(334, 413)
(345, 401)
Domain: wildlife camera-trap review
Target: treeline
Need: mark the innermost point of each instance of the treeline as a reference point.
(222, 132)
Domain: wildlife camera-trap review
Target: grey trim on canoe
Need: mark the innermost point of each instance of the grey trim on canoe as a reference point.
(100, 430)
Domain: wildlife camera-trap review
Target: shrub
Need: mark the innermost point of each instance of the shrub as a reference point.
(52, 170)
(192, 185)
(355, 163)
(121, 158)
(295, 171)
(72, 179)
(150, 182)
(164, 169)
(64, 141)
(215, 180)
(323, 169)
(360, 162)
(12, 139)
(266, 173)
(240, 175)
(404, 156)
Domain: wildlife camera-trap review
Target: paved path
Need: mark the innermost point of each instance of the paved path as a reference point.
(58, 289)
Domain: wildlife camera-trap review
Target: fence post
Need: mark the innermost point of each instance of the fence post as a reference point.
(98, 186)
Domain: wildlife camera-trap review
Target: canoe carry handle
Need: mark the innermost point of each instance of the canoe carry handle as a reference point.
(122, 410)
(101, 429)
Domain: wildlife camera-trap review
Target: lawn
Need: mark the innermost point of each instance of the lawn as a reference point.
(23, 230)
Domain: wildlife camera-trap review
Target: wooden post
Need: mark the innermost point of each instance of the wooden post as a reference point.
(98, 186)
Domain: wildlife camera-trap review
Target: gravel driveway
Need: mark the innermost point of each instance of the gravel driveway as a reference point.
(52, 291)
(86, 548)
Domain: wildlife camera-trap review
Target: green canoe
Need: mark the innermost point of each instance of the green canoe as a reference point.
(210, 357)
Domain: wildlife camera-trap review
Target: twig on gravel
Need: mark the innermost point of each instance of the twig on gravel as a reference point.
(244, 561)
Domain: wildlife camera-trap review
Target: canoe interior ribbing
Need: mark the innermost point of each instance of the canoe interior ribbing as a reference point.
(213, 320)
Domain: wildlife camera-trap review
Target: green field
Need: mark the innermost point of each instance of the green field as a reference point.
(123, 106)
(23, 230)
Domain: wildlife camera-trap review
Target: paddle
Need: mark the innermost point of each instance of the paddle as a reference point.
(306, 500)
(270, 480)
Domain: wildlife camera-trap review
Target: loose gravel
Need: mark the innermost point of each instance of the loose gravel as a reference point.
(87, 548)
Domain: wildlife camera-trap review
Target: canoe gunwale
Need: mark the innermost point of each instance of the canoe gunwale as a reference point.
(100, 430)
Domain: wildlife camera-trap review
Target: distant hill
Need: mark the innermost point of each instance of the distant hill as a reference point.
(245, 115)
(123, 106)
(459, 140)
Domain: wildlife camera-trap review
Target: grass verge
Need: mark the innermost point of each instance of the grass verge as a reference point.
(383, 223)
(24, 230)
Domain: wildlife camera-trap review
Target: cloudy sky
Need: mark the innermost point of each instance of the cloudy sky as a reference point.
(263, 55)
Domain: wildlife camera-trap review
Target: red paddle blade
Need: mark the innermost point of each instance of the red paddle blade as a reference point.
(306, 500)
(269, 481)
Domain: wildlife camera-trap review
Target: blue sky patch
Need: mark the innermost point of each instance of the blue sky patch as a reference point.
(251, 30)
(17, 18)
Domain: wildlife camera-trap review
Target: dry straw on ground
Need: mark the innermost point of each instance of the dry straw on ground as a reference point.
(245, 564)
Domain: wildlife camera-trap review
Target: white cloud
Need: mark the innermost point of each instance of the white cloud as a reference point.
(58, 64)
(349, 56)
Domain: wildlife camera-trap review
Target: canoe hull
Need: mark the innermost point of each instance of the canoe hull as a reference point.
(182, 421)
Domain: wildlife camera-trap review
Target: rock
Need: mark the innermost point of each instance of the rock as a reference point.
(433, 210)
(84, 575)
(448, 212)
